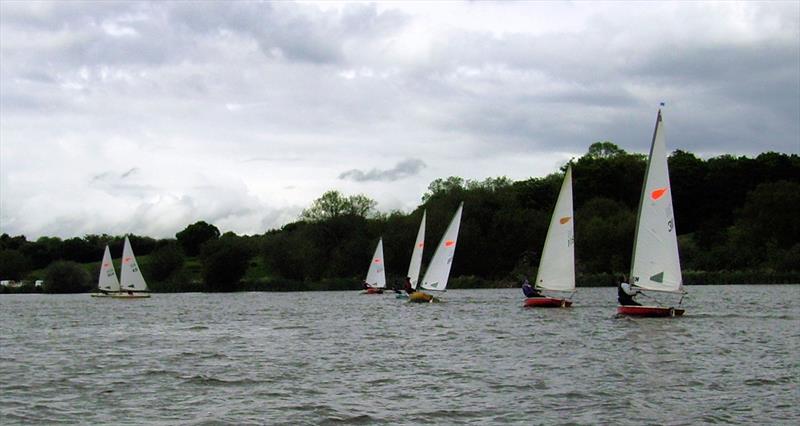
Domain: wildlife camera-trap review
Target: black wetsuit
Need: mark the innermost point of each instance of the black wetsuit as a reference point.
(625, 299)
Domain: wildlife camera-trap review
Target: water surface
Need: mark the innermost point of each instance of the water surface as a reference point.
(341, 357)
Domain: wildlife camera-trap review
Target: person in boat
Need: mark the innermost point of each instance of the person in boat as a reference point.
(407, 287)
(365, 285)
(396, 287)
(626, 293)
(530, 291)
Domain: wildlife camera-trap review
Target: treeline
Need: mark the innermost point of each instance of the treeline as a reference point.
(735, 217)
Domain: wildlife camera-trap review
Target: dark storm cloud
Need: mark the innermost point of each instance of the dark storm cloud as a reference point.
(403, 169)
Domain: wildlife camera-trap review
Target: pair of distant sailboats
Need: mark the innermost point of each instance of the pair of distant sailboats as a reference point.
(655, 265)
(438, 272)
(131, 284)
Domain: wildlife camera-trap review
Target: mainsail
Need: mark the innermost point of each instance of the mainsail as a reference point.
(655, 264)
(416, 255)
(376, 275)
(107, 281)
(131, 278)
(557, 265)
(438, 271)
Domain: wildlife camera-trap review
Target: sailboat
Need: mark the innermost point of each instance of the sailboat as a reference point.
(655, 265)
(438, 271)
(557, 265)
(132, 284)
(107, 282)
(415, 264)
(376, 275)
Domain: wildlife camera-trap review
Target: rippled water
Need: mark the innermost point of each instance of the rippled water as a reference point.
(339, 357)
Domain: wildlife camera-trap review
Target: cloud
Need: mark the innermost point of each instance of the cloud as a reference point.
(403, 169)
(243, 113)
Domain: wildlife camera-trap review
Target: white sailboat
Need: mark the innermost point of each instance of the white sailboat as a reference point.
(107, 282)
(376, 274)
(438, 272)
(656, 265)
(132, 284)
(557, 264)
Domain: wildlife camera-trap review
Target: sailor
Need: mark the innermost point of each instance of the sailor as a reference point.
(407, 286)
(625, 293)
(529, 291)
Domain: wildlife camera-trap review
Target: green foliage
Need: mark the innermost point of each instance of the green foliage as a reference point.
(164, 262)
(66, 277)
(225, 262)
(195, 235)
(13, 265)
(604, 149)
(333, 204)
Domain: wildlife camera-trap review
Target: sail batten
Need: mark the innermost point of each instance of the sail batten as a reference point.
(656, 264)
(557, 264)
(438, 271)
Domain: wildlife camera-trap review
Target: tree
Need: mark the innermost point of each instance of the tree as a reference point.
(225, 262)
(66, 277)
(165, 261)
(195, 235)
(13, 265)
(604, 149)
(333, 204)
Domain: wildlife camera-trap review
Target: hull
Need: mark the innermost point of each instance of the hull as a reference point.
(421, 297)
(547, 302)
(649, 311)
(373, 291)
(100, 295)
(401, 296)
(130, 295)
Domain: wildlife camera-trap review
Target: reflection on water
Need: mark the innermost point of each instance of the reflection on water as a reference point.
(344, 357)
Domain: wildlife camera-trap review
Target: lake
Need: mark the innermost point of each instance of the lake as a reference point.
(341, 357)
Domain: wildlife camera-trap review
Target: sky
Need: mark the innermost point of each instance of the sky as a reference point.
(144, 117)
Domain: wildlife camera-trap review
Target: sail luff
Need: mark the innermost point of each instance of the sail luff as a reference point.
(376, 274)
(438, 272)
(655, 263)
(415, 264)
(557, 263)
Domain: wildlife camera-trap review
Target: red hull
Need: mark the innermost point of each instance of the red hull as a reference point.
(649, 311)
(547, 302)
(373, 291)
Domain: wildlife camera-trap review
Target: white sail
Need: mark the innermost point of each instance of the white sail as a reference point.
(376, 275)
(131, 278)
(108, 276)
(557, 265)
(416, 255)
(656, 265)
(438, 271)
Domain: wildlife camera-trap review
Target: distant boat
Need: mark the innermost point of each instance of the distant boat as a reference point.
(557, 265)
(376, 274)
(132, 284)
(438, 272)
(415, 264)
(107, 282)
(656, 265)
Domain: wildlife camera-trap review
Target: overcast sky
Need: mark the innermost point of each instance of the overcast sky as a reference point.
(145, 117)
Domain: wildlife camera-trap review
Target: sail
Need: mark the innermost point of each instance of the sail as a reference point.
(416, 255)
(376, 275)
(439, 269)
(557, 265)
(655, 264)
(131, 278)
(108, 276)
